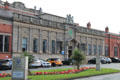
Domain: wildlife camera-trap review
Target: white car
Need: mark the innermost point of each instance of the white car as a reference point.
(45, 63)
(36, 63)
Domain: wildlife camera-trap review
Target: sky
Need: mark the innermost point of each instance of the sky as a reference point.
(100, 13)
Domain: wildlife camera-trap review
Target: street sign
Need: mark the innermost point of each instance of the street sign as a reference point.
(70, 32)
(62, 52)
(20, 68)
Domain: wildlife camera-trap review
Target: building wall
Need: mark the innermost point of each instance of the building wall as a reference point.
(112, 41)
(29, 31)
(32, 25)
(6, 30)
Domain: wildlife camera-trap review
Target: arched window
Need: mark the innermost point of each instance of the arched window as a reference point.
(35, 45)
(95, 49)
(24, 44)
(115, 51)
(89, 49)
(106, 50)
(53, 46)
(44, 46)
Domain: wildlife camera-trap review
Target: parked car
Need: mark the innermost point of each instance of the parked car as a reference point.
(55, 61)
(108, 60)
(5, 63)
(36, 63)
(45, 63)
(93, 61)
(68, 62)
(115, 59)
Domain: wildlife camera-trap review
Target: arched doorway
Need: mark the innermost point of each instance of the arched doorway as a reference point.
(72, 43)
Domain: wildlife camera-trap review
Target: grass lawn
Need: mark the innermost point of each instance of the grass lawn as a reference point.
(89, 72)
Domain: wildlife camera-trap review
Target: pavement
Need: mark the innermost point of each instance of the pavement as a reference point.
(115, 76)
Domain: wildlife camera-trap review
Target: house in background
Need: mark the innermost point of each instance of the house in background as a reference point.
(5, 33)
(112, 44)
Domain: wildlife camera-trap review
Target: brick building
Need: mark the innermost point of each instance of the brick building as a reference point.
(46, 35)
(112, 44)
(5, 33)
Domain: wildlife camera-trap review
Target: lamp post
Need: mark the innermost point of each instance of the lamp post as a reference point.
(64, 41)
(98, 61)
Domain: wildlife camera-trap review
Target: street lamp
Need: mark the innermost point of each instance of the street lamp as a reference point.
(64, 41)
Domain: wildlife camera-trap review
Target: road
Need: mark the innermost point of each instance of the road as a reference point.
(112, 65)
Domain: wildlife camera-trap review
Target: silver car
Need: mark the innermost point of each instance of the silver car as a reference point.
(45, 63)
(36, 63)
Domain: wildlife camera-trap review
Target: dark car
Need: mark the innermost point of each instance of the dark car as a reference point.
(67, 62)
(5, 64)
(115, 60)
(93, 61)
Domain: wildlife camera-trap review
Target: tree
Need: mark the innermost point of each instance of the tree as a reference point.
(78, 57)
(30, 60)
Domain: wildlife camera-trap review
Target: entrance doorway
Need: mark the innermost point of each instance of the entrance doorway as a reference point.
(69, 51)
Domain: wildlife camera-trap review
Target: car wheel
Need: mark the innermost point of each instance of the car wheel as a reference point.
(53, 64)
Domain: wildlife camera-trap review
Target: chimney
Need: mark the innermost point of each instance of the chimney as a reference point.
(89, 25)
(107, 29)
(6, 4)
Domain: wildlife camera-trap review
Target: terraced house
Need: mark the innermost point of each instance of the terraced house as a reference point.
(46, 35)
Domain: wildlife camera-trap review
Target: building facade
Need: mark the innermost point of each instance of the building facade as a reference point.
(112, 44)
(47, 35)
(5, 33)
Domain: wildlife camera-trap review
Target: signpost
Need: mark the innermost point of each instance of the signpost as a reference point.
(20, 68)
(98, 63)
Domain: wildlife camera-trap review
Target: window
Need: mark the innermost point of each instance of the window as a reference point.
(83, 47)
(89, 49)
(53, 46)
(44, 46)
(24, 44)
(4, 43)
(115, 51)
(106, 50)
(95, 49)
(35, 45)
(59, 46)
(100, 49)
(1, 43)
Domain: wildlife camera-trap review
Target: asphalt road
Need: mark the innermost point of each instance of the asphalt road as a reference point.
(112, 65)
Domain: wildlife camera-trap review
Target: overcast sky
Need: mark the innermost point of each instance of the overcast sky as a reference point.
(100, 13)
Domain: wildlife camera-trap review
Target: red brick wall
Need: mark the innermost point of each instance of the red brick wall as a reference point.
(112, 41)
(5, 28)
(5, 55)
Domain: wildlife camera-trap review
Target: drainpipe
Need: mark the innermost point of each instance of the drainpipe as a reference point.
(12, 36)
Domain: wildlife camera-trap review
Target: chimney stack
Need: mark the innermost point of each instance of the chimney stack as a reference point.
(89, 25)
(107, 29)
(6, 4)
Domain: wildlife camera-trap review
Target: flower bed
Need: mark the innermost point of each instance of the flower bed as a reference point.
(3, 74)
(64, 72)
(70, 71)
